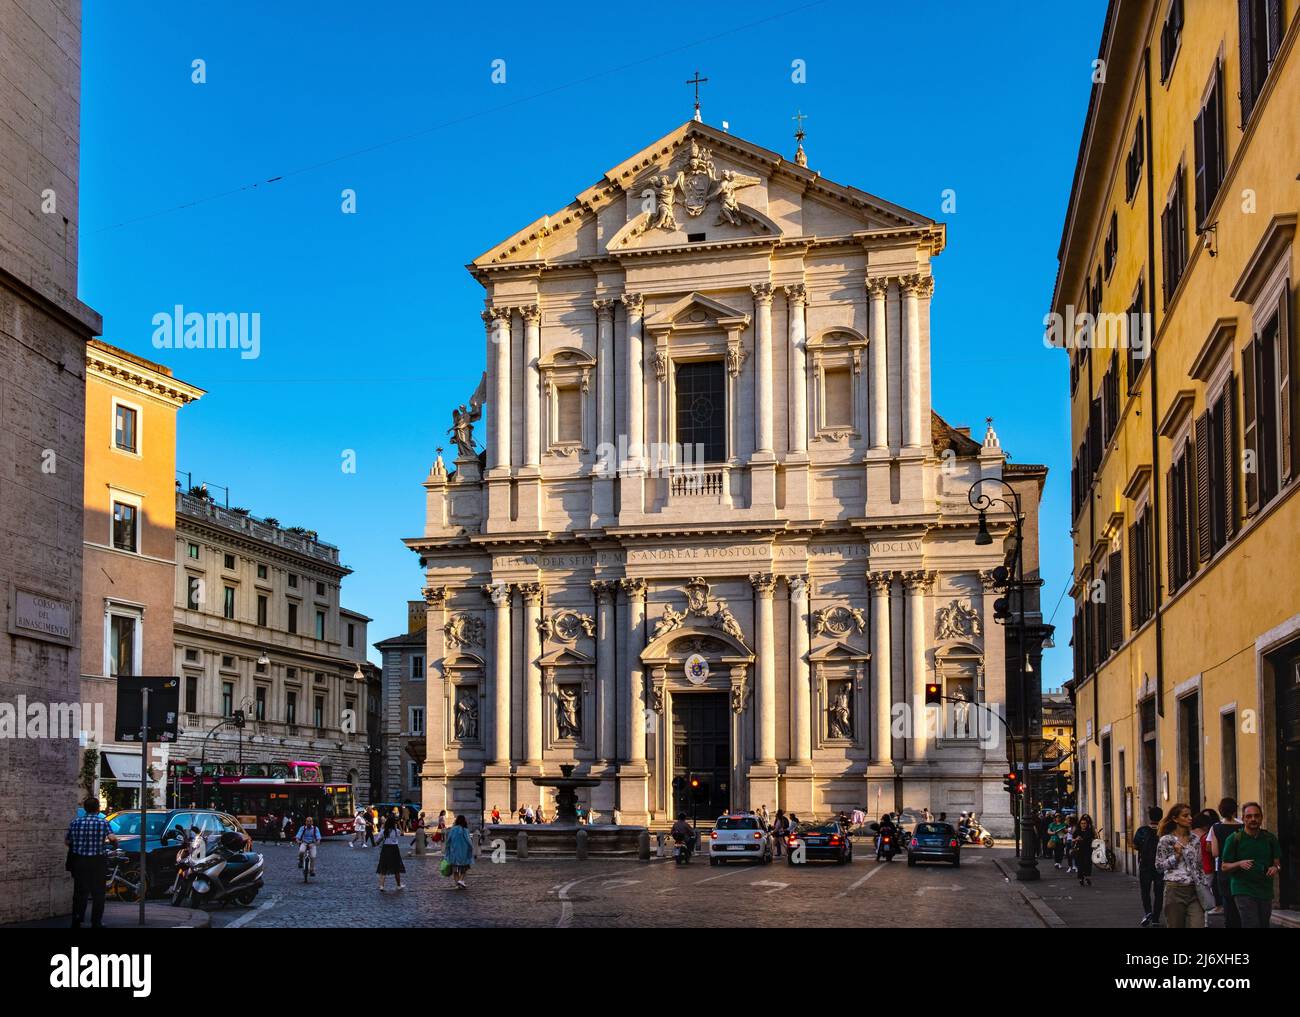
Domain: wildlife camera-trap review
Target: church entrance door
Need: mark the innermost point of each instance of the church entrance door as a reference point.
(702, 748)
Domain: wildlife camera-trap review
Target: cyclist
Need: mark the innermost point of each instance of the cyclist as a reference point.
(307, 837)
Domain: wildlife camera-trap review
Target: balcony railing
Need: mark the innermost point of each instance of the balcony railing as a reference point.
(697, 483)
(259, 529)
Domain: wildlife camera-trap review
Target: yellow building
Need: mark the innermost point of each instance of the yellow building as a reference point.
(1179, 245)
(129, 575)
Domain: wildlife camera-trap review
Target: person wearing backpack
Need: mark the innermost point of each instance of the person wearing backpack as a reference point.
(1227, 825)
(1252, 858)
(1150, 880)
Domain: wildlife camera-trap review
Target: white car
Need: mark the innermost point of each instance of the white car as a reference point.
(740, 835)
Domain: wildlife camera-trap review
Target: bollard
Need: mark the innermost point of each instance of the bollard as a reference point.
(419, 841)
(581, 844)
(643, 845)
(521, 845)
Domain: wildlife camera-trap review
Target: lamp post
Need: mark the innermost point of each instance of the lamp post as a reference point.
(1028, 870)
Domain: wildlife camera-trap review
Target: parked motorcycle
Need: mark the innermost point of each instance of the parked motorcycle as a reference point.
(217, 872)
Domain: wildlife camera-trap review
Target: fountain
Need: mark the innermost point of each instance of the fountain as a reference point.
(559, 838)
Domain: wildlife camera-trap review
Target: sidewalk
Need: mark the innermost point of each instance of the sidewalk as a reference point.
(118, 915)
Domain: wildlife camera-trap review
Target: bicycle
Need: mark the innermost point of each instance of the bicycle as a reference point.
(307, 860)
(123, 882)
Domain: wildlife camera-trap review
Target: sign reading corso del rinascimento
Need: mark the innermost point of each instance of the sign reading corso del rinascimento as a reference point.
(46, 615)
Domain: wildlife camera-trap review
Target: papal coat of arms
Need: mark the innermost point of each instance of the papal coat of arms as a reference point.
(697, 669)
(699, 182)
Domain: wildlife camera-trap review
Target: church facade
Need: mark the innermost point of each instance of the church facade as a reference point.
(717, 531)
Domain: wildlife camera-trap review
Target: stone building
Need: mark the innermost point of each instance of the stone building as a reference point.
(43, 333)
(129, 543)
(404, 707)
(259, 628)
(717, 529)
(1179, 240)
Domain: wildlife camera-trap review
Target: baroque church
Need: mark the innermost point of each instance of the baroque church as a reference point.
(716, 530)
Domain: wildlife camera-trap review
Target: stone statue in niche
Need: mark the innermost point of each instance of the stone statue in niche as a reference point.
(840, 712)
(466, 715)
(568, 713)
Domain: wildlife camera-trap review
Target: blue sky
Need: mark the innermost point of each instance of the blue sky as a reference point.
(370, 324)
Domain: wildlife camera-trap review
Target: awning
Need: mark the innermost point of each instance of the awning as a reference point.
(124, 766)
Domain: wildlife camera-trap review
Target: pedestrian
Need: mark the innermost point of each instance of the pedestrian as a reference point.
(496, 815)
(358, 831)
(440, 832)
(1085, 834)
(1252, 858)
(1227, 825)
(762, 811)
(286, 824)
(523, 815)
(780, 827)
(541, 815)
(1071, 826)
(1056, 839)
(87, 839)
(1178, 857)
(582, 813)
(370, 827)
(460, 851)
(1202, 824)
(1150, 879)
(390, 852)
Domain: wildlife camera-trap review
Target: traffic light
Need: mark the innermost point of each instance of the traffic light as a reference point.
(933, 696)
(699, 790)
(1001, 609)
(1011, 784)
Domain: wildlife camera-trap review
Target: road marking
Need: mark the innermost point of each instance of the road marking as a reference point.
(873, 872)
(710, 879)
(921, 890)
(243, 920)
(620, 882)
(566, 906)
(772, 883)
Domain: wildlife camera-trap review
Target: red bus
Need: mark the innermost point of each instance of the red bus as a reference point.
(252, 792)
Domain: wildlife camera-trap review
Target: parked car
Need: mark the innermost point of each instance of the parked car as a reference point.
(165, 833)
(740, 835)
(934, 842)
(828, 841)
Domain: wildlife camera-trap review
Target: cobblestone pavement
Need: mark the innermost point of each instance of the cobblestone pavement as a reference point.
(593, 894)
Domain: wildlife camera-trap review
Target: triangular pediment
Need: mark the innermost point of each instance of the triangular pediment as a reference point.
(695, 310)
(839, 650)
(701, 186)
(565, 656)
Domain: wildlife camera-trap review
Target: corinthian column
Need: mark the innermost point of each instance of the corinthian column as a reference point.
(532, 594)
(500, 594)
(881, 681)
(764, 588)
(499, 452)
(918, 582)
(606, 673)
(635, 383)
(801, 728)
(914, 287)
(605, 369)
(763, 368)
(532, 316)
(877, 289)
(635, 590)
(798, 381)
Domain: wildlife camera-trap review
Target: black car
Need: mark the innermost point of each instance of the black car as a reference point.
(934, 842)
(165, 834)
(828, 841)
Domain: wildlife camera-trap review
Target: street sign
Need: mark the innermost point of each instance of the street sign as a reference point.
(164, 707)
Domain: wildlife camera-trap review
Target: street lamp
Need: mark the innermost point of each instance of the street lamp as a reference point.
(1028, 870)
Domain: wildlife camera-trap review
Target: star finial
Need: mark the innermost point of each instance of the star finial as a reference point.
(800, 157)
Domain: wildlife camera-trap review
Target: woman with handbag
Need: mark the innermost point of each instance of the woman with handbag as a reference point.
(440, 831)
(459, 854)
(1056, 838)
(1178, 857)
(1085, 834)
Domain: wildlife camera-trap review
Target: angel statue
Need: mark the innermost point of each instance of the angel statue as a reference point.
(724, 189)
(665, 189)
(462, 421)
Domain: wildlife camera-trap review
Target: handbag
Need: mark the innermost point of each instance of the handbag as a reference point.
(1206, 896)
(444, 868)
(1099, 853)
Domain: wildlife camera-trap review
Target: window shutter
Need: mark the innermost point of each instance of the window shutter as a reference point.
(1190, 520)
(1171, 528)
(1115, 598)
(1285, 394)
(1200, 165)
(1244, 54)
(1231, 459)
(1202, 482)
(1274, 28)
(1250, 425)
(1134, 599)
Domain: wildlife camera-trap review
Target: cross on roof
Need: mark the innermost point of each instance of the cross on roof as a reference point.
(697, 81)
